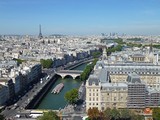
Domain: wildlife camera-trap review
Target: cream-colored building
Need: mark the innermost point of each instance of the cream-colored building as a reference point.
(101, 93)
(108, 86)
(118, 72)
(150, 74)
(114, 95)
(93, 93)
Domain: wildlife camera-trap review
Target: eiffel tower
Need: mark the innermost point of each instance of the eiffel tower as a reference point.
(40, 33)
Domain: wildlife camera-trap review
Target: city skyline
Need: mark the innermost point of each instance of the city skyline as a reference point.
(80, 17)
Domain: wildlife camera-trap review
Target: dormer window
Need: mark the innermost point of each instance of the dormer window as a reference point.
(93, 83)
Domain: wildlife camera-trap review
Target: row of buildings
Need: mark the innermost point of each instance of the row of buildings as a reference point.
(13, 81)
(124, 83)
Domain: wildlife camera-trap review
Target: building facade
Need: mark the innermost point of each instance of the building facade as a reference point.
(4, 94)
(136, 92)
(123, 86)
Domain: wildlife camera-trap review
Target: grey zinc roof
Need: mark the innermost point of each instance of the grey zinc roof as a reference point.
(133, 78)
(100, 64)
(93, 80)
(153, 90)
(112, 86)
(104, 75)
(138, 55)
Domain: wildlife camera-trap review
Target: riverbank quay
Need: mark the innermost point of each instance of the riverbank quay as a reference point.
(33, 102)
(25, 101)
(74, 64)
(46, 84)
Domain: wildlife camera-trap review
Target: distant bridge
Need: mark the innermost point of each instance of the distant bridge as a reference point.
(73, 73)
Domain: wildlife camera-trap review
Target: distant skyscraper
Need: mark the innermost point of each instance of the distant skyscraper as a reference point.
(40, 33)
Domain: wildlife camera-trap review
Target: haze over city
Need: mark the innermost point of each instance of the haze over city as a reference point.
(80, 59)
(80, 17)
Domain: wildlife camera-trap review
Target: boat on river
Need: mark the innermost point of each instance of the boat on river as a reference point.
(58, 88)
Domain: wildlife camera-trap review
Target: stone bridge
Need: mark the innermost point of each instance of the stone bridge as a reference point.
(73, 73)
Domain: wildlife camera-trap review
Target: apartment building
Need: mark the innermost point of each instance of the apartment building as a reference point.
(130, 91)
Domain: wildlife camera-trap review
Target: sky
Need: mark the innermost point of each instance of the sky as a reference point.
(80, 17)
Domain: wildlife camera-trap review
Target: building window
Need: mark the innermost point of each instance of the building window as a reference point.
(97, 94)
(97, 98)
(97, 103)
(121, 97)
(93, 99)
(90, 99)
(93, 94)
(89, 94)
(93, 103)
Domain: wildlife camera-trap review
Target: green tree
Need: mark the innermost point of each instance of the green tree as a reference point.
(93, 113)
(156, 113)
(107, 113)
(125, 114)
(71, 96)
(84, 75)
(49, 116)
(113, 49)
(46, 63)
(94, 61)
(134, 45)
(156, 46)
(136, 116)
(96, 54)
(19, 61)
(115, 114)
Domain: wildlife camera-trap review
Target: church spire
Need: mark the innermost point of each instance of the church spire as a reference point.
(104, 55)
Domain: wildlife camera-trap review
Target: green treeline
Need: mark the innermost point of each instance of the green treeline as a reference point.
(112, 114)
(113, 49)
(119, 41)
(156, 113)
(134, 45)
(121, 44)
(156, 46)
(46, 63)
(85, 74)
(50, 115)
(96, 54)
(134, 39)
(19, 61)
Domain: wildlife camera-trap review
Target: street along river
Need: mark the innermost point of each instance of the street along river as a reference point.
(57, 101)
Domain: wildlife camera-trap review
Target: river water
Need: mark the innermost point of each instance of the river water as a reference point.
(57, 101)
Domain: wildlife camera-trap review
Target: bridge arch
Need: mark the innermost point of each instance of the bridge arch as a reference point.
(69, 73)
(68, 76)
(77, 77)
(59, 76)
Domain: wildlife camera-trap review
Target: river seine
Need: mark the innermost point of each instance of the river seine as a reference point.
(57, 101)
